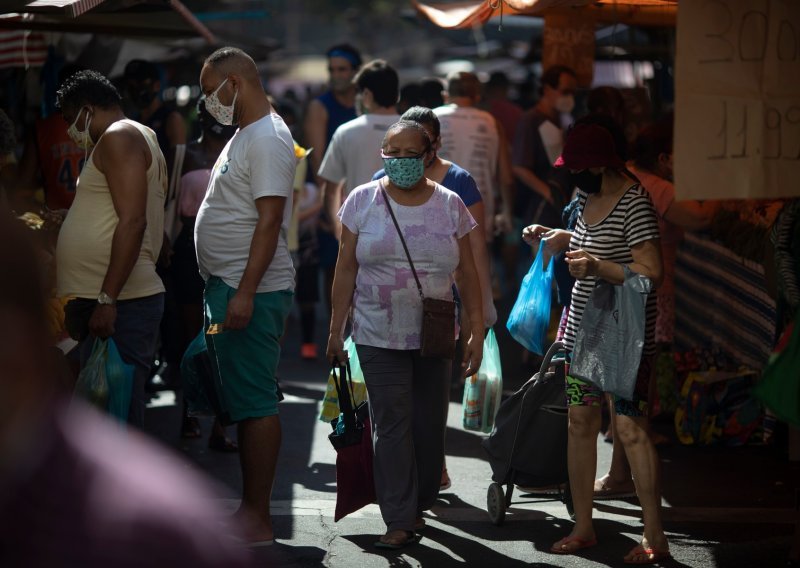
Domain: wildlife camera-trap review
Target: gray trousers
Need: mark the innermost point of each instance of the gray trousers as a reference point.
(408, 398)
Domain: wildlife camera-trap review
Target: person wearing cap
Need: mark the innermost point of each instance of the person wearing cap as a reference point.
(617, 227)
(143, 89)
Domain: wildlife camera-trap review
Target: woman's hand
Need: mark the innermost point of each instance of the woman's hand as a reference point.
(532, 234)
(582, 264)
(335, 352)
(473, 354)
(556, 241)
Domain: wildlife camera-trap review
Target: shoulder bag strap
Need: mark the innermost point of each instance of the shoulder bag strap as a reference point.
(402, 240)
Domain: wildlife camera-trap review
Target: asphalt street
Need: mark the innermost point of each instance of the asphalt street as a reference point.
(726, 507)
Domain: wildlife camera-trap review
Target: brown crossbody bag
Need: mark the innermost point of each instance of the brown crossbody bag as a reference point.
(438, 316)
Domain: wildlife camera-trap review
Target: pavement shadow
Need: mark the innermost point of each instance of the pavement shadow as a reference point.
(461, 443)
(524, 523)
(319, 477)
(288, 556)
(462, 548)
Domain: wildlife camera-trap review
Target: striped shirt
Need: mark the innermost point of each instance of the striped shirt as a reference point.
(632, 221)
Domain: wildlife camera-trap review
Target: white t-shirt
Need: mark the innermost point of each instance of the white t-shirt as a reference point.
(259, 161)
(354, 153)
(470, 139)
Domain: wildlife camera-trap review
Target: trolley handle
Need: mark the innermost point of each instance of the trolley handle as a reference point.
(556, 348)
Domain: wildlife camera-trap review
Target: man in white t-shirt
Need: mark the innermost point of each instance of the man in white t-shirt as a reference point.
(353, 155)
(473, 139)
(244, 258)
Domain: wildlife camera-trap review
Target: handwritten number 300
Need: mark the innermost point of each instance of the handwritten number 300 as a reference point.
(753, 35)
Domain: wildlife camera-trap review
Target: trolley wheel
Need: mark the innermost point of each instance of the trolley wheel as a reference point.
(496, 503)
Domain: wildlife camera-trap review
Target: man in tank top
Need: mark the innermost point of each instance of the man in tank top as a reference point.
(110, 240)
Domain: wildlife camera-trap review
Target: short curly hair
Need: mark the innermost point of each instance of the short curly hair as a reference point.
(87, 88)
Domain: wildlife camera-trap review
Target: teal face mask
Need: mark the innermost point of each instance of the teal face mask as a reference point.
(404, 172)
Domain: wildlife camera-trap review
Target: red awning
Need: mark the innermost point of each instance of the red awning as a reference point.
(632, 12)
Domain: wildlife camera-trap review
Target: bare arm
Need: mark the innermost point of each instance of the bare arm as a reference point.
(344, 284)
(646, 261)
(262, 251)
(691, 215)
(315, 128)
(124, 159)
(470, 292)
(176, 129)
(480, 254)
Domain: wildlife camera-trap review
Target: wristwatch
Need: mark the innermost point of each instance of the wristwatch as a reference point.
(105, 300)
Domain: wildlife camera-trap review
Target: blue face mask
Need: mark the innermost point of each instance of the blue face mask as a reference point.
(404, 172)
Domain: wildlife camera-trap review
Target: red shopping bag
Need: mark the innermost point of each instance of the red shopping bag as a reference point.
(352, 440)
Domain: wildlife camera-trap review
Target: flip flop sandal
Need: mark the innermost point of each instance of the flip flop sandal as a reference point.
(651, 555)
(411, 539)
(603, 491)
(558, 548)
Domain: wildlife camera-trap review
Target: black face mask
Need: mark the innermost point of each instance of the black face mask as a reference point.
(587, 181)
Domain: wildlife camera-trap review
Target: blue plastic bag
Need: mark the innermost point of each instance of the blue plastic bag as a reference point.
(106, 381)
(530, 316)
(120, 383)
(484, 390)
(610, 338)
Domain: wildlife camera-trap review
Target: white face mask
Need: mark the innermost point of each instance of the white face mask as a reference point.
(565, 104)
(82, 139)
(221, 113)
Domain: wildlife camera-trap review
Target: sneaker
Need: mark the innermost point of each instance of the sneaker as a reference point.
(308, 351)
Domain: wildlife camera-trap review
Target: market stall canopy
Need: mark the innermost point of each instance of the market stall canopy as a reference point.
(129, 18)
(632, 12)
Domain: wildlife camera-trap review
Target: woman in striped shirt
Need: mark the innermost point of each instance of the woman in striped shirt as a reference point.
(617, 226)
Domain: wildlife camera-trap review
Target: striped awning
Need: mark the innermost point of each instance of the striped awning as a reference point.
(69, 8)
(22, 48)
(476, 12)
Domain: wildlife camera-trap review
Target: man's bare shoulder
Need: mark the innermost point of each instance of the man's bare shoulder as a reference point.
(124, 135)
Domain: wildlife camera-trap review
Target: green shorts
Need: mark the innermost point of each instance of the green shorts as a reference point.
(246, 360)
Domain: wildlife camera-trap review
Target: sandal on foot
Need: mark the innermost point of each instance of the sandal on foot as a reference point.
(604, 488)
(562, 546)
(411, 538)
(646, 555)
(222, 444)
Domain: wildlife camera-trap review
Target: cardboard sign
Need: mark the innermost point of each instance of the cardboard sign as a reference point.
(568, 39)
(737, 129)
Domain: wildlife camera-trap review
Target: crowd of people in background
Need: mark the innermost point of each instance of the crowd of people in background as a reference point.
(256, 206)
